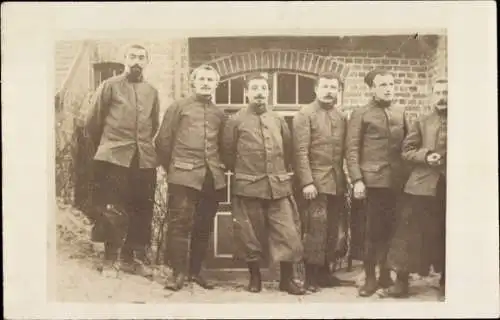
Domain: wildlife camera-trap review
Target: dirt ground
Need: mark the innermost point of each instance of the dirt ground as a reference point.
(77, 279)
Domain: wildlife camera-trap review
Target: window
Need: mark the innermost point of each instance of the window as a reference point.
(293, 89)
(231, 92)
(105, 70)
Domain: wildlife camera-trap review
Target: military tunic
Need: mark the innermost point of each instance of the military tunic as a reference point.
(257, 148)
(419, 240)
(374, 138)
(188, 148)
(318, 140)
(122, 120)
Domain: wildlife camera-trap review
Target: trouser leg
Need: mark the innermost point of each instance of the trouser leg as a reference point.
(140, 206)
(392, 204)
(249, 227)
(181, 207)
(203, 224)
(112, 218)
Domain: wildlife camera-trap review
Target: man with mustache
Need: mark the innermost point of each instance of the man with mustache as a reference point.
(374, 137)
(123, 118)
(319, 134)
(188, 149)
(420, 235)
(257, 148)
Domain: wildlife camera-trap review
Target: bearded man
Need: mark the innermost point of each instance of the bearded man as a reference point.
(419, 241)
(123, 119)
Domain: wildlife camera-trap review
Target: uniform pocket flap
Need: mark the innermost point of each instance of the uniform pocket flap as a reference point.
(183, 165)
(284, 177)
(248, 177)
(373, 167)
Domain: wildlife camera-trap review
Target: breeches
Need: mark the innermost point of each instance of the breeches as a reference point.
(321, 218)
(381, 209)
(266, 224)
(132, 191)
(420, 237)
(190, 221)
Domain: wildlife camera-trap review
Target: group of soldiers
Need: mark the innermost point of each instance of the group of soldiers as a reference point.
(396, 170)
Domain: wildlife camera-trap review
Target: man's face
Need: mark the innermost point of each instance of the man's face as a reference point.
(440, 96)
(383, 87)
(327, 90)
(136, 60)
(258, 91)
(205, 82)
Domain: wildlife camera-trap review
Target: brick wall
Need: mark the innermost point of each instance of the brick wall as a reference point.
(413, 61)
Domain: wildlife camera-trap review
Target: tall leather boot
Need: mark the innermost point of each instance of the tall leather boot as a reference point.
(175, 282)
(255, 282)
(287, 281)
(178, 260)
(109, 266)
(311, 283)
(400, 289)
(384, 279)
(198, 250)
(370, 286)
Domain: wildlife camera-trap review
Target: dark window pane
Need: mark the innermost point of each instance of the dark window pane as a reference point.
(306, 90)
(222, 93)
(103, 71)
(237, 86)
(286, 89)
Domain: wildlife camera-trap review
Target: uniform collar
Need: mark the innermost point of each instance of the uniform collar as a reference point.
(325, 106)
(380, 104)
(134, 80)
(258, 110)
(202, 99)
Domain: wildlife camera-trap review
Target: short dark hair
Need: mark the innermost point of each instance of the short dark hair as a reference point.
(328, 75)
(256, 76)
(370, 76)
(192, 77)
(136, 46)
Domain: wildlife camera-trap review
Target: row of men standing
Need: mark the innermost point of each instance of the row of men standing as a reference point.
(196, 143)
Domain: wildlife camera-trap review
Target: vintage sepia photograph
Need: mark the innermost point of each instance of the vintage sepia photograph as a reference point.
(249, 160)
(252, 168)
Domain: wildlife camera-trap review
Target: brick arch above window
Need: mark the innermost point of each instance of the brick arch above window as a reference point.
(277, 60)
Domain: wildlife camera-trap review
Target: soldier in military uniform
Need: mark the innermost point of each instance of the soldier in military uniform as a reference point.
(257, 148)
(374, 137)
(318, 139)
(188, 150)
(420, 235)
(122, 121)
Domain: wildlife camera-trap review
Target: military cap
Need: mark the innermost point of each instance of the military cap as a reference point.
(373, 73)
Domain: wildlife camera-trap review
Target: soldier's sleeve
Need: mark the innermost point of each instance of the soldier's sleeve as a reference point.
(164, 140)
(229, 142)
(287, 145)
(156, 113)
(343, 158)
(353, 141)
(224, 119)
(98, 110)
(301, 143)
(412, 145)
